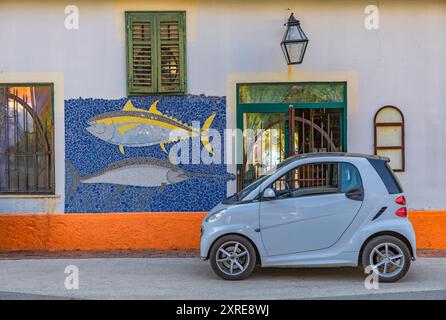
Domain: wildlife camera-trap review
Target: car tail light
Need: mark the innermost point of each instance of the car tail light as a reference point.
(401, 212)
(401, 200)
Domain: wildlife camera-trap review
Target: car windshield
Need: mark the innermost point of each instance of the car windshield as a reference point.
(247, 190)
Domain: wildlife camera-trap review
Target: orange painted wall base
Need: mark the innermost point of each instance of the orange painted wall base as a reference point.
(430, 229)
(158, 231)
(114, 231)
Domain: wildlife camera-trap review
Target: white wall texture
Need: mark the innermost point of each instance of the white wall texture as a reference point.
(402, 63)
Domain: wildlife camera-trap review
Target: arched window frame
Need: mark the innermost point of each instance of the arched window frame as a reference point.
(390, 124)
(43, 144)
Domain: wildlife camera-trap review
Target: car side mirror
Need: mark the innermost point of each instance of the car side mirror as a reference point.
(269, 193)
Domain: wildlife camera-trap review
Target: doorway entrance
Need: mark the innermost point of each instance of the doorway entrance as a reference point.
(284, 119)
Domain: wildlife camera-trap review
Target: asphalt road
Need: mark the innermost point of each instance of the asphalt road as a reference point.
(191, 278)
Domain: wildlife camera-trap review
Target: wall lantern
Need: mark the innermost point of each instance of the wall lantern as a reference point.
(294, 42)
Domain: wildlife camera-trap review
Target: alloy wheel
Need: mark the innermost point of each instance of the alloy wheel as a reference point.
(232, 258)
(387, 259)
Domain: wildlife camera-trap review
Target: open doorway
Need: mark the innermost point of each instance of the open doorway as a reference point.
(288, 119)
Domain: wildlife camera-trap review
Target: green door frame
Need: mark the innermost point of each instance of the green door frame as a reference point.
(242, 108)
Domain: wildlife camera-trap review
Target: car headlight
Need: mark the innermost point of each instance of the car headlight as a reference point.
(214, 217)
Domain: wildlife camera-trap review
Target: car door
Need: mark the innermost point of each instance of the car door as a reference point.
(314, 205)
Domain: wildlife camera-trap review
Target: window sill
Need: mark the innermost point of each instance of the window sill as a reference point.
(29, 196)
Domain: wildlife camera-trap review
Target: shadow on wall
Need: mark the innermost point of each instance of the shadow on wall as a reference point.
(115, 162)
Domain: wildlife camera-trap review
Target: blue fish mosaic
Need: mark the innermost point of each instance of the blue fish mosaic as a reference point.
(93, 183)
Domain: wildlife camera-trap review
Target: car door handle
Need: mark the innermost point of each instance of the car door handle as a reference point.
(356, 194)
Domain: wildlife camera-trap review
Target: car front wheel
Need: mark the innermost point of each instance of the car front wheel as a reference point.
(388, 257)
(233, 257)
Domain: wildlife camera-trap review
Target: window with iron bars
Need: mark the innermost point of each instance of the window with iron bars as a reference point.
(309, 179)
(26, 139)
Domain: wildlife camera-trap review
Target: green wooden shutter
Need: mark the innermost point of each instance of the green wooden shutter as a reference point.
(171, 65)
(141, 53)
(156, 57)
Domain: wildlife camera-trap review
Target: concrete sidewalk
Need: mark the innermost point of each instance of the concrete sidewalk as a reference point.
(90, 254)
(191, 278)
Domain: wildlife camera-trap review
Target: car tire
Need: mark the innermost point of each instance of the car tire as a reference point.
(390, 257)
(229, 265)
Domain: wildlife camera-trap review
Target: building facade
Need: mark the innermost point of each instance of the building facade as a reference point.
(89, 92)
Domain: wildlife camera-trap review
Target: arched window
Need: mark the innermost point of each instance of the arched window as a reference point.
(26, 139)
(389, 136)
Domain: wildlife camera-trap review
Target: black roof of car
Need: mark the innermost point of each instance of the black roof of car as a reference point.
(340, 154)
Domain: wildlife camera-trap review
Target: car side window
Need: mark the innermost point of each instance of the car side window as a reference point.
(307, 180)
(350, 178)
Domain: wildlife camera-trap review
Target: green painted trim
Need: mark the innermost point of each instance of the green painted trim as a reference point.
(183, 49)
(288, 82)
(180, 18)
(239, 138)
(296, 83)
(155, 17)
(344, 120)
(127, 56)
(52, 103)
(142, 17)
(283, 108)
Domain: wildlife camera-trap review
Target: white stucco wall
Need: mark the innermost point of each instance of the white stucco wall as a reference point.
(402, 63)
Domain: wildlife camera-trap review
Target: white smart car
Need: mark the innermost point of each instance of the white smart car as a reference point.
(321, 209)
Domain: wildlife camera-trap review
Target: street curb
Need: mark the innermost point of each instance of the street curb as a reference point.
(81, 254)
